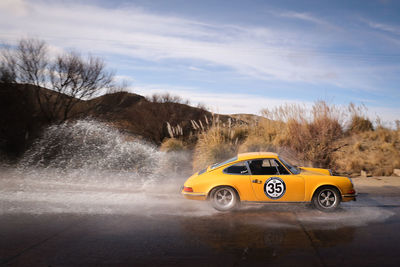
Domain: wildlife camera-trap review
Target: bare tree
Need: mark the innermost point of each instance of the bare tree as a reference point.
(75, 78)
(7, 66)
(167, 98)
(70, 76)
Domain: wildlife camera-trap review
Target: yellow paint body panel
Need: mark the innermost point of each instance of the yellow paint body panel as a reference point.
(299, 187)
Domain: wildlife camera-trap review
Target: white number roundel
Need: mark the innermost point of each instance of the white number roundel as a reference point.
(274, 188)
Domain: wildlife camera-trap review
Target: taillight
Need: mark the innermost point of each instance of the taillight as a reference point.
(351, 192)
(187, 189)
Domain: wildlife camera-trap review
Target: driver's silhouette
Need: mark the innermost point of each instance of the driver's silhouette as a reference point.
(256, 167)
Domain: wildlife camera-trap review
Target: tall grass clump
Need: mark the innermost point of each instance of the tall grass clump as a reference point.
(261, 136)
(217, 142)
(308, 132)
(359, 122)
(172, 145)
(376, 152)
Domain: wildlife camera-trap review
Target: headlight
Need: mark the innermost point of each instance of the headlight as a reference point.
(330, 172)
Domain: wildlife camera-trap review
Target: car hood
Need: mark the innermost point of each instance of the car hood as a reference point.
(314, 171)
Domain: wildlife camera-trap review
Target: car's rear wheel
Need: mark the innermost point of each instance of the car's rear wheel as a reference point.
(326, 199)
(224, 198)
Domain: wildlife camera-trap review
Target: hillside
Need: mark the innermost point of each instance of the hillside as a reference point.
(137, 115)
(21, 120)
(248, 118)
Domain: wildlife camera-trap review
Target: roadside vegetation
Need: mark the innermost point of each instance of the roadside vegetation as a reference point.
(341, 138)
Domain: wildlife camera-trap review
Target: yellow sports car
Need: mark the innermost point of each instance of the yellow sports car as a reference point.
(266, 177)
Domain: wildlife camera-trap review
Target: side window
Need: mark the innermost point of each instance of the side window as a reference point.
(263, 167)
(239, 168)
(282, 170)
(266, 167)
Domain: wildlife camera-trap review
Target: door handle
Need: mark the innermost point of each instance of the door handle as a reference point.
(256, 181)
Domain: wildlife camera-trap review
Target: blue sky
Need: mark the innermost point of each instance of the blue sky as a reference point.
(233, 56)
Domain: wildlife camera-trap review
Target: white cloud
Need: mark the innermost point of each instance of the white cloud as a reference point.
(257, 52)
(382, 26)
(223, 103)
(307, 17)
(124, 79)
(387, 115)
(15, 7)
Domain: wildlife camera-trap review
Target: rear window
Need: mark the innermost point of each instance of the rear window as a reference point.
(216, 165)
(238, 168)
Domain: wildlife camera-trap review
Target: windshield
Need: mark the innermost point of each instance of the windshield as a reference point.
(293, 169)
(216, 165)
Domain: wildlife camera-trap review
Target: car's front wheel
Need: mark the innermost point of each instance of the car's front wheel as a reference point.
(224, 198)
(326, 199)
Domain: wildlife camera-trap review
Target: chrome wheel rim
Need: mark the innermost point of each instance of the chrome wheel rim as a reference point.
(327, 198)
(224, 197)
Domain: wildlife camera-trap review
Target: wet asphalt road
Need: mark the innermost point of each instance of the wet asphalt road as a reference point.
(364, 233)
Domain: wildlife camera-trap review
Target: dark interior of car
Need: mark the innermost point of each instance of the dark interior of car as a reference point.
(256, 168)
(236, 169)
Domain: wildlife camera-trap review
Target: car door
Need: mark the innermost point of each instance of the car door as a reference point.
(271, 181)
(238, 175)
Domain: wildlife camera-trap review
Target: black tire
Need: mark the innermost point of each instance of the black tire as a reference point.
(224, 198)
(326, 199)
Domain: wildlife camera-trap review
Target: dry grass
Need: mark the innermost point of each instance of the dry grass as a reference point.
(217, 142)
(376, 152)
(327, 136)
(309, 133)
(261, 136)
(359, 121)
(359, 124)
(172, 145)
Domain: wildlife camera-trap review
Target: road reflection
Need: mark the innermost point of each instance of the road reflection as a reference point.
(263, 233)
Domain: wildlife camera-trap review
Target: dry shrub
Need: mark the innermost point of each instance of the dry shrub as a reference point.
(309, 133)
(376, 152)
(172, 144)
(360, 124)
(256, 144)
(216, 144)
(261, 136)
(359, 121)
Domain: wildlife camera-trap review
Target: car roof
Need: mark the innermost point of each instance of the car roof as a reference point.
(256, 155)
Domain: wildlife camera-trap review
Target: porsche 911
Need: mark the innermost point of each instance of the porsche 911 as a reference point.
(265, 177)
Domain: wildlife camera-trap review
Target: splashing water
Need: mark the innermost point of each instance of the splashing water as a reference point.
(90, 167)
(93, 149)
(91, 145)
